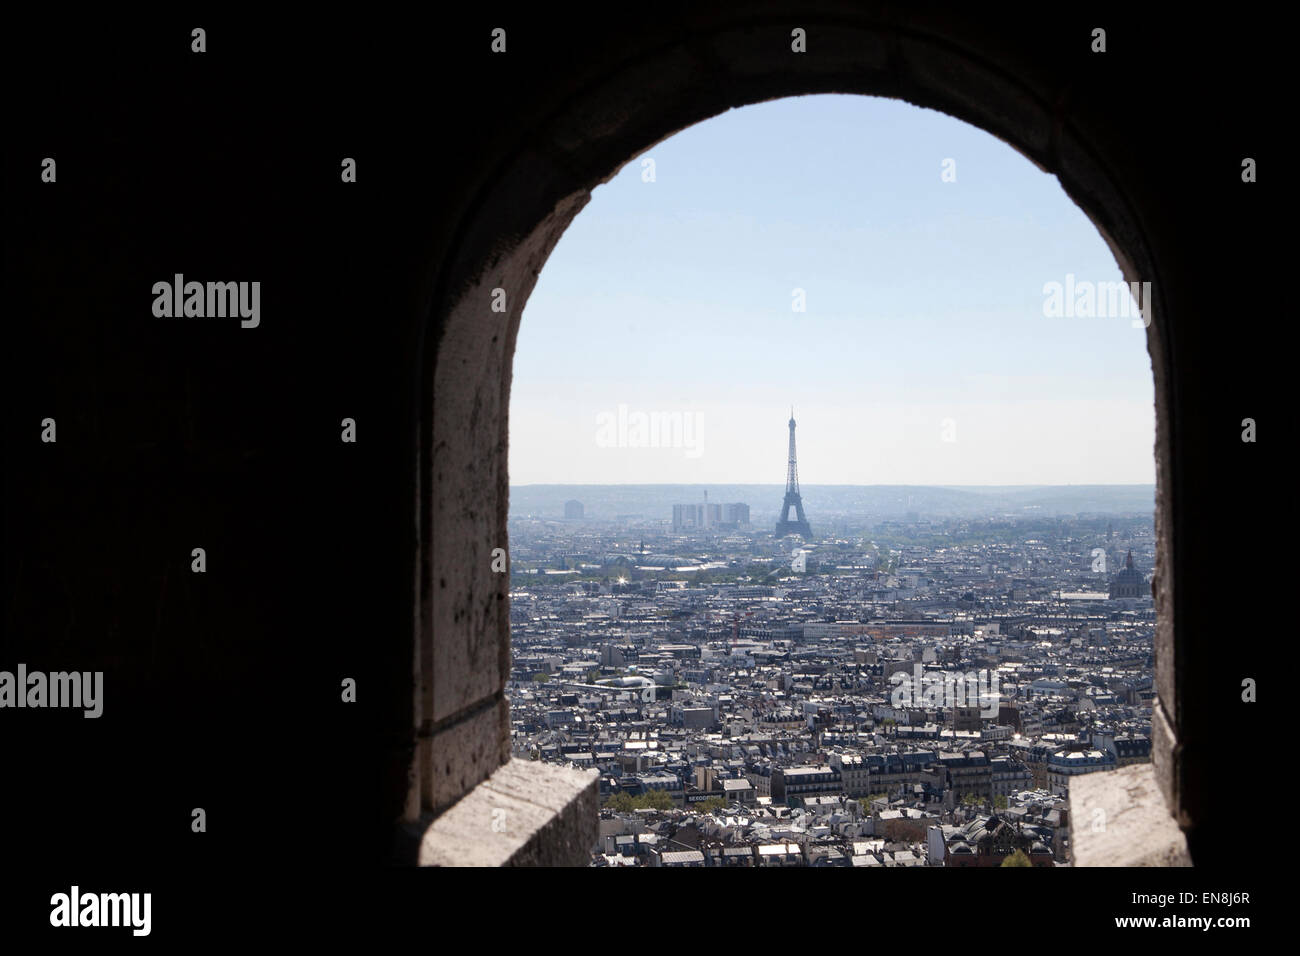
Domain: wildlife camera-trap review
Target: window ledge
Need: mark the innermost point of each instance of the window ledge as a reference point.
(526, 814)
(1119, 818)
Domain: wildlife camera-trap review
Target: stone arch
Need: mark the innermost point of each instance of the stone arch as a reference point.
(461, 637)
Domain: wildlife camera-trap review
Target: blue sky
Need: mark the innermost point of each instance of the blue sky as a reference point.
(923, 357)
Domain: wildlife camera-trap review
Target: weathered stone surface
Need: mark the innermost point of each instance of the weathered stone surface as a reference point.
(1164, 759)
(526, 814)
(1120, 819)
(465, 753)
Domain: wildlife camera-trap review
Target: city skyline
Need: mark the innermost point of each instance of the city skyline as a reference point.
(895, 693)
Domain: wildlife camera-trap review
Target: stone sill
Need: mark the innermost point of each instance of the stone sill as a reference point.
(527, 813)
(1119, 818)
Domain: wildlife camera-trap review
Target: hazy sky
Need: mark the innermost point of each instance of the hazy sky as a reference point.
(923, 357)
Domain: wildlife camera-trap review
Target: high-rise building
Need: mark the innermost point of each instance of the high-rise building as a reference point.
(699, 515)
(712, 513)
(706, 515)
(688, 516)
(573, 509)
(737, 514)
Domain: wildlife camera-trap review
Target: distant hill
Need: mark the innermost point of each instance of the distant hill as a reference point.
(882, 501)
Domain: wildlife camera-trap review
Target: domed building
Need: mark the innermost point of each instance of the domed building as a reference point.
(1129, 583)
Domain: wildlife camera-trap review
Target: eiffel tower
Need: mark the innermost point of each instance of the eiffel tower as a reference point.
(792, 499)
